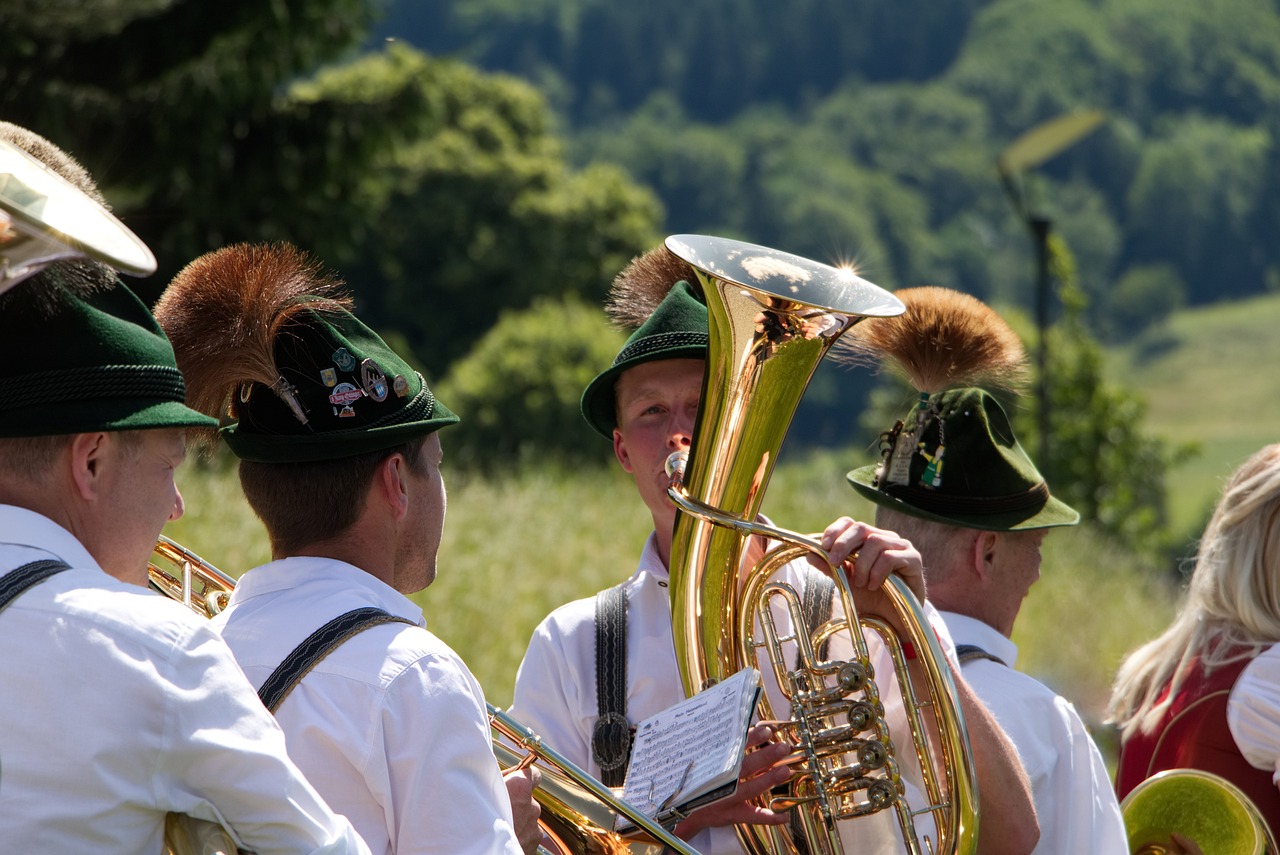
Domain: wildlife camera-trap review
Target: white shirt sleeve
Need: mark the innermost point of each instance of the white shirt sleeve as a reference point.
(225, 750)
(1253, 712)
(551, 694)
(436, 758)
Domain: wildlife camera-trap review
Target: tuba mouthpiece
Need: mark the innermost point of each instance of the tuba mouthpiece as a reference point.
(675, 464)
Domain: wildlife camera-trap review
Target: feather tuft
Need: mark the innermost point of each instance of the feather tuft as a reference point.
(643, 284)
(223, 311)
(945, 339)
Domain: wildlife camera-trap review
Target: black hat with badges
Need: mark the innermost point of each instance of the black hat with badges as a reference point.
(954, 458)
(270, 346)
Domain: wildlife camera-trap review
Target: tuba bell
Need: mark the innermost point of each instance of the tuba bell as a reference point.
(772, 317)
(1177, 807)
(44, 218)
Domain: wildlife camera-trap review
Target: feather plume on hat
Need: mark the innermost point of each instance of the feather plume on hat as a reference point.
(945, 339)
(224, 311)
(642, 284)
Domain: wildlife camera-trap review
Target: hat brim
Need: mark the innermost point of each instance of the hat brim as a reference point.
(106, 415)
(1051, 514)
(599, 400)
(332, 444)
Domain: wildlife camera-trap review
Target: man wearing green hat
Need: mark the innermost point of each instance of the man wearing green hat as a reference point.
(955, 480)
(340, 457)
(580, 680)
(119, 706)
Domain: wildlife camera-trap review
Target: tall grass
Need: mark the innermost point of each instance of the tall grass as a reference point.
(517, 546)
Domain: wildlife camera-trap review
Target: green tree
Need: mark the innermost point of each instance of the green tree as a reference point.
(1099, 460)
(518, 390)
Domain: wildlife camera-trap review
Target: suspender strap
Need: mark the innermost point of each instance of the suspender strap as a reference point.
(815, 604)
(969, 652)
(611, 738)
(317, 646)
(16, 581)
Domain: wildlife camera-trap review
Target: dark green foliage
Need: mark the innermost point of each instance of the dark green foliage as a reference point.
(518, 390)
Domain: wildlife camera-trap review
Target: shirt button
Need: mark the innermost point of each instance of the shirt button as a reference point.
(662, 584)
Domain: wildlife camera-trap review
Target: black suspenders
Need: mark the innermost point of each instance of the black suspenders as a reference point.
(315, 647)
(28, 575)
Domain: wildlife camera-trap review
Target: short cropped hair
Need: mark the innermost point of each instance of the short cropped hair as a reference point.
(307, 503)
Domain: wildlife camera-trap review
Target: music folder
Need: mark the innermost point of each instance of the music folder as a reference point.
(690, 754)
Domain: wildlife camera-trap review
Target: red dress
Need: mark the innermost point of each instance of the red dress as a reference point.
(1193, 734)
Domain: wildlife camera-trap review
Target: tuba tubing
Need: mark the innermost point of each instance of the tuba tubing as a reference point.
(772, 317)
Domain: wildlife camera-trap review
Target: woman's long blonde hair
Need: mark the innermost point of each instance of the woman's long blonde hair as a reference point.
(1232, 606)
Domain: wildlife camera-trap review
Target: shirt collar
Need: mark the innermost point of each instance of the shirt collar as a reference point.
(24, 527)
(967, 630)
(315, 574)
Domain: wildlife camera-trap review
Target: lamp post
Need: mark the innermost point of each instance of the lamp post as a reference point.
(1032, 148)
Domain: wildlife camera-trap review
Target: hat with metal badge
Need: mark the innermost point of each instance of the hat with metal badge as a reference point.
(270, 345)
(654, 292)
(954, 458)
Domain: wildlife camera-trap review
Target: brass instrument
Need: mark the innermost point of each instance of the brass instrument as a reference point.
(772, 317)
(1199, 807)
(181, 575)
(578, 811)
(44, 218)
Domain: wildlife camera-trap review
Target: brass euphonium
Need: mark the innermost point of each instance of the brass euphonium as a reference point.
(578, 812)
(772, 317)
(44, 218)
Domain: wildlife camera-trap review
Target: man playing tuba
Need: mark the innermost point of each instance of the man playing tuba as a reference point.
(647, 403)
(340, 457)
(119, 706)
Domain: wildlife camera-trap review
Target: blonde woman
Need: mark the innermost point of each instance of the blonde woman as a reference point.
(1206, 693)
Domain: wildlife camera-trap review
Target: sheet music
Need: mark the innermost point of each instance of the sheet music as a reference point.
(692, 748)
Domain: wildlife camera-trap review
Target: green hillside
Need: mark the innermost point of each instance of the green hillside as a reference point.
(1209, 376)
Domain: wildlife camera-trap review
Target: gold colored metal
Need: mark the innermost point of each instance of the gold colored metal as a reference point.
(44, 218)
(181, 575)
(1199, 807)
(578, 811)
(772, 317)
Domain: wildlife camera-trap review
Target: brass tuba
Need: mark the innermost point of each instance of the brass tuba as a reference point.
(44, 218)
(1198, 807)
(772, 317)
(578, 812)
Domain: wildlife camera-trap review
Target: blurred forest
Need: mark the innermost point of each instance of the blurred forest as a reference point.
(478, 171)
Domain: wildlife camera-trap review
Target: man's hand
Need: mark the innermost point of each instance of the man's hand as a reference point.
(524, 810)
(761, 772)
(869, 555)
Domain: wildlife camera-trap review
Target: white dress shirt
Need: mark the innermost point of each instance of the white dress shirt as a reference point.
(391, 727)
(1253, 712)
(1071, 787)
(555, 691)
(118, 705)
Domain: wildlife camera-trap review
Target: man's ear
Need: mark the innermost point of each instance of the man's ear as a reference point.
(390, 484)
(620, 450)
(983, 552)
(89, 456)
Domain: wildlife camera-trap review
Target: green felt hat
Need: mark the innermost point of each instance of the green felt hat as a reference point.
(677, 329)
(77, 364)
(956, 460)
(343, 392)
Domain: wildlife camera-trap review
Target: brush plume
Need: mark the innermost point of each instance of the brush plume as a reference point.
(224, 310)
(945, 339)
(642, 285)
